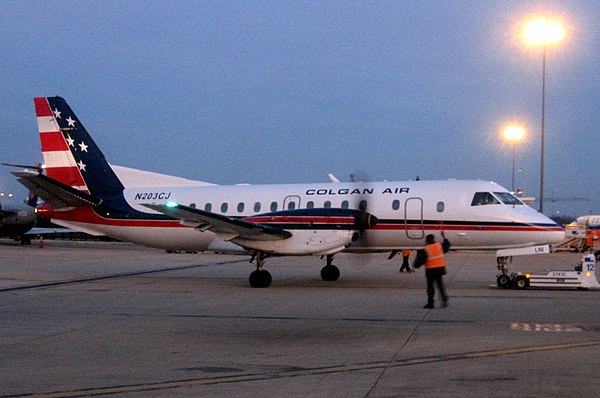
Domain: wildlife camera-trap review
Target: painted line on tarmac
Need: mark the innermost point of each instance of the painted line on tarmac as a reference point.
(111, 276)
(166, 385)
(304, 318)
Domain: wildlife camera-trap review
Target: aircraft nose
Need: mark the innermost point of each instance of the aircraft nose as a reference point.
(556, 236)
(554, 233)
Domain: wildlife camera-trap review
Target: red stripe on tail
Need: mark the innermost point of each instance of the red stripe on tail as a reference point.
(53, 142)
(42, 108)
(67, 175)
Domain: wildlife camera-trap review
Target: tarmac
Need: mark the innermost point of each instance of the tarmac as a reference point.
(93, 319)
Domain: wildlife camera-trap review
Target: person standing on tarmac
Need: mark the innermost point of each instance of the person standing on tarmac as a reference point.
(405, 265)
(432, 256)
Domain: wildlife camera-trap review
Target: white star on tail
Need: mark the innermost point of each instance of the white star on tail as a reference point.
(56, 113)
(70, 140)
(81, 165)
(83, 147)
(71, 121)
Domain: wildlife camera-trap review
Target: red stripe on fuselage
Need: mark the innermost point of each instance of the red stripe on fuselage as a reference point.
(446, 227)
(54, 141)
(42, 108)
(89, 216)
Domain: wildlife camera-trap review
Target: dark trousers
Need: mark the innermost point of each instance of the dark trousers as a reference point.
(405, 265)
(435, 276)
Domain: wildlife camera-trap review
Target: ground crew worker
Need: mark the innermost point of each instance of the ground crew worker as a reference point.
(589, 241)
(432, 255)
(405, 265)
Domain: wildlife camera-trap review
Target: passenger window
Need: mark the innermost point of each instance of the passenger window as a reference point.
(291, 206)
(327, 204)
(362, 205)
(240, 207)
(345, 204)
(208, 207)
(193, 205)
(273, 206)
(484, 198)
(256, 207)
(395, 204)
(224, 207)
(440, 207)
(310, 204)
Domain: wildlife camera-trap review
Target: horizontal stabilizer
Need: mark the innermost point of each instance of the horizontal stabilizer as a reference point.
(56, 194)
(219, 223)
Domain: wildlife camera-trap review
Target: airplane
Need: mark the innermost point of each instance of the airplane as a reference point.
(589, 221)
(84, 192)
(17, 219)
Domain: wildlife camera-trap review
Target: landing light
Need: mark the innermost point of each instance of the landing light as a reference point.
(171, 204)
(528, 276)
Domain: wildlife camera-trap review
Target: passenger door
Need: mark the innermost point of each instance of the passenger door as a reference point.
(291, 202)
(413, 218)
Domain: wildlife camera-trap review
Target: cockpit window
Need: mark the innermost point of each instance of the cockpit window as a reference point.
(507, 198)
(484, 198)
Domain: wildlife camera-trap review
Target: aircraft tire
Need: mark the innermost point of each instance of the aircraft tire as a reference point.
(260, 279)
(330, 273)
(504, 281)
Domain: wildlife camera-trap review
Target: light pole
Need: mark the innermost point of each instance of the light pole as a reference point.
(541, 32)
(513, 134)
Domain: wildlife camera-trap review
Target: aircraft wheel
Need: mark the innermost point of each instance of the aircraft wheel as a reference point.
(260, 279)
(503, 281)
(330, 273)
(521, 282)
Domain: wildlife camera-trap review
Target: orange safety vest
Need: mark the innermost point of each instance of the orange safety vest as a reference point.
(405, 253)
(435, 255)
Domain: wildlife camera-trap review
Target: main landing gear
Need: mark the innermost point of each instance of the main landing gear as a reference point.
(330, 272)
(260, 278)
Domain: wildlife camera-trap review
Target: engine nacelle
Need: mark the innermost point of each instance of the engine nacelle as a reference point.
(303, 242)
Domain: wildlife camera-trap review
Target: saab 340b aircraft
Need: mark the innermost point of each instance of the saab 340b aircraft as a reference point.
(84, 192)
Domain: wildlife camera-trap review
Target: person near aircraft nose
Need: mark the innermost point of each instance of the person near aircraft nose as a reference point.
(405, 265)
(433, 257)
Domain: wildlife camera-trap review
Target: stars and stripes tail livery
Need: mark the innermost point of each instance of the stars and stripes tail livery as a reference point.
(84, 192)
(68, 150)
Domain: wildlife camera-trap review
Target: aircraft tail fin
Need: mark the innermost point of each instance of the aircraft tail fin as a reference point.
(70, 155)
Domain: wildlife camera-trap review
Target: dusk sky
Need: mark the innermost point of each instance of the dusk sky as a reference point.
(288, 91)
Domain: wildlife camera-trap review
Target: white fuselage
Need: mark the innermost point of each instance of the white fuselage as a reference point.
(406, 212)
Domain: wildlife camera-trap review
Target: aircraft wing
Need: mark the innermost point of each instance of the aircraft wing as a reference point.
(52, 231)
(56, 194)
(4, 213)
(218, 223)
